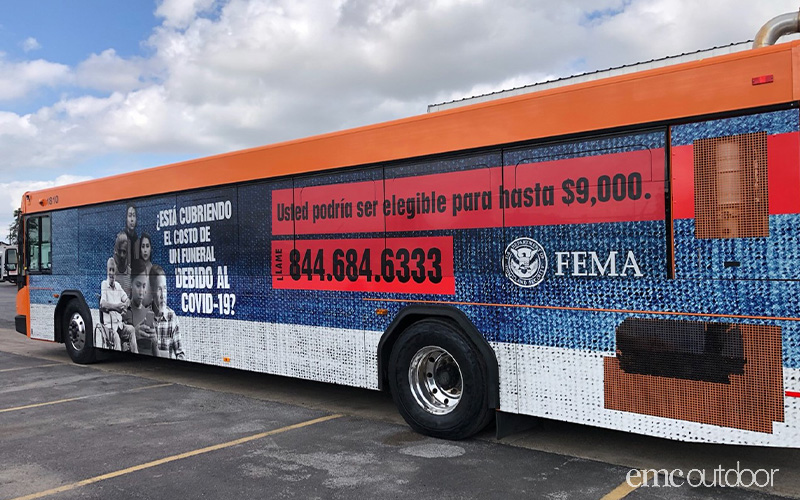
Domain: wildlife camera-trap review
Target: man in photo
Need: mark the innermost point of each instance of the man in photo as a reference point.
(113, 302)
(167, 332)
(121, 260)
(141, 316)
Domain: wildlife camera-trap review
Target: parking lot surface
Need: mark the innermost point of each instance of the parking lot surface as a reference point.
(138, 427)
(62, 424)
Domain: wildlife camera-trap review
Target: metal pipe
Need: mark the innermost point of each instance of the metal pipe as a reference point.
(776, 27)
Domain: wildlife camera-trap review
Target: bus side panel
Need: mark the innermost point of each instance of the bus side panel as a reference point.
(704, 357)
(719, 364)
(46, 287)
(558, 254)
(599, 246)
(220, 304)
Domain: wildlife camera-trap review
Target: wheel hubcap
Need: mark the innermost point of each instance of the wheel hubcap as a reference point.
(435, 380)
(77, 332)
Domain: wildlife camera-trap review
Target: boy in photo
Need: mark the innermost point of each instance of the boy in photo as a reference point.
(142, 317)
(167, 332)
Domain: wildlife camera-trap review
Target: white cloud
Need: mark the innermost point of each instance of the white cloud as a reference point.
(180, 13)
(240, 73)
(17, 79)
(15, 126)
(109, 72)
(30, 44)
(11, 196)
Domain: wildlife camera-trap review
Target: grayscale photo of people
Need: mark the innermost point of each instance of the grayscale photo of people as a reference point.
(134, 314)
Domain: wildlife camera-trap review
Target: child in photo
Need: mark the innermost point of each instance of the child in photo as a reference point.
(167, 331)
(141, 316)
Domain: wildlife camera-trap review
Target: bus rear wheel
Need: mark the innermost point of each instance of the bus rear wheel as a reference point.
(438, 380)
(78, 336)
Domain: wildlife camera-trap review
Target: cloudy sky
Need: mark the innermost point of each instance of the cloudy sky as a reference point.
(90, 88)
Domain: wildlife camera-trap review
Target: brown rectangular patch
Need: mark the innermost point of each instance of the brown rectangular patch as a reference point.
(751, 401)
(731, 197)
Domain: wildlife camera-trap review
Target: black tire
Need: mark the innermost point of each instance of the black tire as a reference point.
(425, 408)
(78, 333)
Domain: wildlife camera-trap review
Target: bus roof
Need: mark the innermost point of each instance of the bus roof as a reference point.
(696, 88)
(595, 75)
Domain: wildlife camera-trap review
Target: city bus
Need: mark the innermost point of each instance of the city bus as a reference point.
(620, 253)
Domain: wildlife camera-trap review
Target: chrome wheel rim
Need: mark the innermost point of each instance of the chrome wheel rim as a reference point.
(435, 380)
(77, 332)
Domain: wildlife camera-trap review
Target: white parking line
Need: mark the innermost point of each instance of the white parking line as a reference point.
(30, 367)
(173, 458)
(67, 400)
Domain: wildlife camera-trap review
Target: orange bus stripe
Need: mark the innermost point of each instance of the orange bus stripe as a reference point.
(585, 309)
(691, 89)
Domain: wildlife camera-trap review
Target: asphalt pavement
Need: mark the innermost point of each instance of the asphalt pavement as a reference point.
(141, 427)
(8, 304)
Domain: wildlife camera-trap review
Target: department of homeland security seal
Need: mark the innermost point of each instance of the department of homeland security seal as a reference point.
(525, 262)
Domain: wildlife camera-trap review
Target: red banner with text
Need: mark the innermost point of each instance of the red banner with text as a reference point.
(392, 265)
(615, 187)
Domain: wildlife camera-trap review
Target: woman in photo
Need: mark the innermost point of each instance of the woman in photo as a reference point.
(130, 232)
(145, 256)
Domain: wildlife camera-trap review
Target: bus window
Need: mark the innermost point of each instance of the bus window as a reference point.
(11, 258)
(731, 199)
(38, 244)
(45, 252)
(734, 177)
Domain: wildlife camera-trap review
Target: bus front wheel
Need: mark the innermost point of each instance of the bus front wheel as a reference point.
(438, 380)
(78, 336)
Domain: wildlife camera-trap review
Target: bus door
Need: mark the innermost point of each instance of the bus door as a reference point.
(443, 227)
(735, 197)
